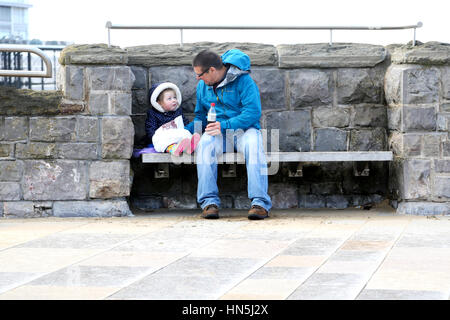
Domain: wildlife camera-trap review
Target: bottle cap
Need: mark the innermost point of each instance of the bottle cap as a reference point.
(212, 104)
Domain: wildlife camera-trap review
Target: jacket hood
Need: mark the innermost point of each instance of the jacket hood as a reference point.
(237, 58)
(156, 90)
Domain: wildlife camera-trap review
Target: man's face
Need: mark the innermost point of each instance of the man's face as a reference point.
(206, 75)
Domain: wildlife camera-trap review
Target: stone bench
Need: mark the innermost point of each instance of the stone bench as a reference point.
(233, 158)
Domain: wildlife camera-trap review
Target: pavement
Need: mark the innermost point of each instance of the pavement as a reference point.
(295, 254)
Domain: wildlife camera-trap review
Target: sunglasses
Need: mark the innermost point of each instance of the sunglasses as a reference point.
(201, 74)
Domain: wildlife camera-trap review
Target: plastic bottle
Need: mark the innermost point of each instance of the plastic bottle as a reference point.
(212, 113)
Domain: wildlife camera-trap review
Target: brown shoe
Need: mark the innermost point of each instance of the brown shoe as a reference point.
(257, 213)
(211, 212)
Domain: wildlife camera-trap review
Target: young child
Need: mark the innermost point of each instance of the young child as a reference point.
(165, 121)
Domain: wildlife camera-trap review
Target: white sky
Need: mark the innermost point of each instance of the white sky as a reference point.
(83, 21)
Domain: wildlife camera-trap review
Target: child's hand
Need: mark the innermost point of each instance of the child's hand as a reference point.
(213, 129)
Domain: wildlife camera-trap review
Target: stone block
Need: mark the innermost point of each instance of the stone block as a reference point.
(441, 187)
(368, 140)
(311, 201)
(283, 195)
(99, 103)
(242, 202)
(76, 151)
(272, 88)
(411, 84)
(294, 129)
(82, 54)
(369, 115)
(412, 145)
(175, 55)
(117, 137)
(309, 87)
(321, 55)
(326, 188)
(121, 103)
(72, 82)
(55, 180)
(442, 166)
(338, 201)
(183, 77)
(420, 85)
(19, 209)
(87, 129)
(109, 179)
(140, 103)
(430, 53)
(393, 84)
(359, 85)
(330, 139)
(36, 150)
(141, 77)
(331, 117)
(6, 150)
(54, 129)
(2, 128)
(11, 170)
(10, 191)
(443, 122)
(93, 208)
(423, 208)
(394, 118)
(446, 148)
(183, 201)
(419, 118)
(445, 82)
(431, 145)
(16, 128)
(119, 78)
(416, 183)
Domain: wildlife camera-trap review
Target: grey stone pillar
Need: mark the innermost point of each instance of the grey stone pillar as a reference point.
(417, 87)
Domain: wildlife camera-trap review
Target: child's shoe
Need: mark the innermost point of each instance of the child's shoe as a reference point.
(177, 149)
(193, 143)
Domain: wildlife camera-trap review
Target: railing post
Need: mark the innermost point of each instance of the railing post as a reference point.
(181, 39)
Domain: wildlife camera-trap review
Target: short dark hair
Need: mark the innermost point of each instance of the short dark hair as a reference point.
(207, 59)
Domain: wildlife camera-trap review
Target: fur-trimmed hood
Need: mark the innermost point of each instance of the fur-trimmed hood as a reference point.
(155, 91)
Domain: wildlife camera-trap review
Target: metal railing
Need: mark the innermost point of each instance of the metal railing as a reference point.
(47, 73)
(110, 26)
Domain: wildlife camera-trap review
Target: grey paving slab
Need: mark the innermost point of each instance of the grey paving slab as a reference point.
(164, 244)
(374, 294)
(10, 280)
(91, 276)
(313, 246)
(77, 241)
(176, 287)
(330, 286)
(282, 273)
(211, 267)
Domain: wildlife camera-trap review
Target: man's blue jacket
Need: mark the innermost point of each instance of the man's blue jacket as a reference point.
(237, 99)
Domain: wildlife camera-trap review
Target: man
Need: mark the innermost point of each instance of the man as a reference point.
(226, 82)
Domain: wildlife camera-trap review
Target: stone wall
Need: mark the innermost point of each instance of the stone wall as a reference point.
(418, 95)
(68, 152)
(319, 98)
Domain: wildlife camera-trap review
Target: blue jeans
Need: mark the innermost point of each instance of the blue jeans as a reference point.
(249, 143)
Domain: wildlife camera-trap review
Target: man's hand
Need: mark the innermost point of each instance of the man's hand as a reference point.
(213, 129)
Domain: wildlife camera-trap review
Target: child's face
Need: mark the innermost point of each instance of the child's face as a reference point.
(168, 101)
